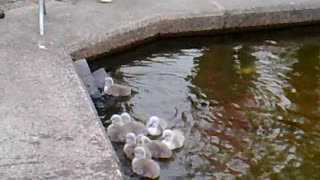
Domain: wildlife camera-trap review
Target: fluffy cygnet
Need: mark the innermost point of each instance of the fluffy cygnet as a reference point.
(174, 139)
(132, 125)
(130, 145)
(157, 148)
(115, 89)
(115, 131)
(156, 125)
(143, 166)
(139, 143)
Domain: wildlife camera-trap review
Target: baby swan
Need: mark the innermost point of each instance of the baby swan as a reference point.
(132, 125)
(157, 148)
(133, 141)
(143, 166)
(115, 131)
(115, 89)
(174, 139)
(156, 125)
(130, 145)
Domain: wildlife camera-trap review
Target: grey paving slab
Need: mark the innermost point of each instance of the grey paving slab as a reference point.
(49, 127)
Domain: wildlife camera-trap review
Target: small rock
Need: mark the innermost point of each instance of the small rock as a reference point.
(271, 41)
(42, 47)
(237, 106)
(99, 77)
(219, 115)
(214, 102)
(280, 118)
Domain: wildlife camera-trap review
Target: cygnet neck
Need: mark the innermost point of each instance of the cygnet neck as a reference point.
(108, 83)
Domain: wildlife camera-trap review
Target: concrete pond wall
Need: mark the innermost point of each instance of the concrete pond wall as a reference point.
(49, 127)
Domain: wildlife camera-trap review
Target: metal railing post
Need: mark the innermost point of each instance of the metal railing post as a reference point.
(41, 16)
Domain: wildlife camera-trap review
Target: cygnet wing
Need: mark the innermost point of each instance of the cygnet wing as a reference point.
(159, 150)
(146, 168)
(118, 90)
(116, 133)
(136, 127)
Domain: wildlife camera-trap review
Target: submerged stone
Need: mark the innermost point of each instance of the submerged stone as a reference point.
(99, 77)
(91, 86)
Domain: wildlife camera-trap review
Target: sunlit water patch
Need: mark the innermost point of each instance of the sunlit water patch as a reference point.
(248, 104)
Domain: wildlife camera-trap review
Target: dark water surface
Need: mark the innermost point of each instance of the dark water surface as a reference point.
(248, 103)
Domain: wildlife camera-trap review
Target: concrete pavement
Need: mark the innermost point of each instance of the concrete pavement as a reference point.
(49, 127)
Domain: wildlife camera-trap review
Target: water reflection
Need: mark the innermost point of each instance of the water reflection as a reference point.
(248, 105)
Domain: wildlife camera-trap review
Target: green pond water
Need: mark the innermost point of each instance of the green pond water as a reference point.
(248, 103)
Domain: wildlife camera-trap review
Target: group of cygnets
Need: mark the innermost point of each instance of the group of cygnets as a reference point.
(139, 147)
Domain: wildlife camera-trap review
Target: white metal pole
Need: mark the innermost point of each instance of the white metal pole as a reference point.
(41, 16)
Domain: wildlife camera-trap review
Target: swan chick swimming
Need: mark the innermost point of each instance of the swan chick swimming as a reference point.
(116, 132)
(132, 125)
(156, 125)
(158, 149)
(143, 166)
(174, 139)
(133, 141)
(139, 143)
(115, 89)
(130, 145)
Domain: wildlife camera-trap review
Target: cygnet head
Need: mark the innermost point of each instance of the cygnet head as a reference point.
(139, 138)
(116, 120)
(108, 82)
(153, 126)
(125, 117)
(167, 135)
(153, 122)
(139, 152)
(131, 139)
